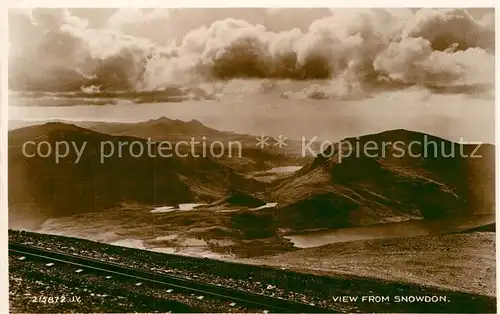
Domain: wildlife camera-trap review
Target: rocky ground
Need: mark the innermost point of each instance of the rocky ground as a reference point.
(39, 287)
(321, 290)
(462, 262)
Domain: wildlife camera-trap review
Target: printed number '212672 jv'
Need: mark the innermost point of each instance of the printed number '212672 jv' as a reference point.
(57, 299)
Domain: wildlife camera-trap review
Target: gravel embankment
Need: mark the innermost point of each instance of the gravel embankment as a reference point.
(460, 262)
(274, 281)
(36, 287)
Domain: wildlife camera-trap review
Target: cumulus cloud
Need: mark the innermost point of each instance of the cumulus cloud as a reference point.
(136, 16)
(349, 47)
(451, 26)
(413, 60)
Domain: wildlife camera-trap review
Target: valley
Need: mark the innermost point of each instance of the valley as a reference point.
(265, 202)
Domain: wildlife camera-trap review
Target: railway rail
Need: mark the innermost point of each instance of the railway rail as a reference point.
(252, 300)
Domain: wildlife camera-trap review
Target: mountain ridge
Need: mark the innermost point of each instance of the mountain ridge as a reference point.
(69, 187)
(335, 191)
(329, 192)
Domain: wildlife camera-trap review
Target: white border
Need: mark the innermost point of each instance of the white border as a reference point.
(4, 279)
(497, 153)
(246, 4)
(4, 222)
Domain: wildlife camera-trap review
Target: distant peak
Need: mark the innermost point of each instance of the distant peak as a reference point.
(397, 135)
(164, 119)
(57, 125)
(161, 119)
(194, 121)
(48, 128)
(400, 131)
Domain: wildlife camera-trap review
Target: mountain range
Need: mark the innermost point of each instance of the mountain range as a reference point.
(341, 187)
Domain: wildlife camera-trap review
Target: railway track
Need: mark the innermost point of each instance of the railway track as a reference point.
(252, 300)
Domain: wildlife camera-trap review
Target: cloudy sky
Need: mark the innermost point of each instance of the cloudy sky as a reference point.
(148, 49)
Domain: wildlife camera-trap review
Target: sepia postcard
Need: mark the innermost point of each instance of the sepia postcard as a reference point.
(251, 160)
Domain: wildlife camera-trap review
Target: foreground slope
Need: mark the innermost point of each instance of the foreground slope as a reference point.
(298, 284)
(459, 262)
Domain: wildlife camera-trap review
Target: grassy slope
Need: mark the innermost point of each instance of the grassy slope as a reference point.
(347, 186)
(463, 262)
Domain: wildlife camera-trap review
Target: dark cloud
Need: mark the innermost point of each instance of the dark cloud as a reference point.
(354, 47)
